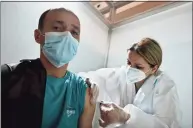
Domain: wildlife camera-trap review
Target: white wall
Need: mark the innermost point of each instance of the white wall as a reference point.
(20, 19)
(173, 29)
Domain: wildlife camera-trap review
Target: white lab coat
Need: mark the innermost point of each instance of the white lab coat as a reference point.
(156, 104)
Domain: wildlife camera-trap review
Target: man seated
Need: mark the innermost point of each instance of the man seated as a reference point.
(42, 92)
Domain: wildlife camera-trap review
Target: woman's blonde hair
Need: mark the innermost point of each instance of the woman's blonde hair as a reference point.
(150, 50)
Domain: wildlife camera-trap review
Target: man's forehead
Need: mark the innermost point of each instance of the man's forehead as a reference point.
(55, 16)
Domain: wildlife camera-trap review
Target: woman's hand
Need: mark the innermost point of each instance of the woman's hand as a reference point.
(112, 113)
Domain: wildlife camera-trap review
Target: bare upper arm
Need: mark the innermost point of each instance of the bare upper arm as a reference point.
(85, 120)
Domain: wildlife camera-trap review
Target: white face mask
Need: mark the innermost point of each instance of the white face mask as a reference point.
(134, 75)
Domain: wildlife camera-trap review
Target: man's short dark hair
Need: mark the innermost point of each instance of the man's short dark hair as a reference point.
(42, 17)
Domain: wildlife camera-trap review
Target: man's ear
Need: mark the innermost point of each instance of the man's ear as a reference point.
(37, 36)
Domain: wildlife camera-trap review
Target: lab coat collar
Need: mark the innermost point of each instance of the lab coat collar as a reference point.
(145, 90)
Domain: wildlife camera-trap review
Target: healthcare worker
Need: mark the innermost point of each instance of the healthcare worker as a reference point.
(138, 95)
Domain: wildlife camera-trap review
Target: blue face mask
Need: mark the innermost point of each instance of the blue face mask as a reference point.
(59, 48)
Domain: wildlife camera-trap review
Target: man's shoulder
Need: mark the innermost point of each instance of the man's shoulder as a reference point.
(21, 63)
(7, 70)
(80, 82)
(76, 77)
(10, 73)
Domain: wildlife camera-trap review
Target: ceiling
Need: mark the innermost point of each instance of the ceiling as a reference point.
(115, 13)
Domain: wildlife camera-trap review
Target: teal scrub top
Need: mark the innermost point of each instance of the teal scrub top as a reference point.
(64, 101)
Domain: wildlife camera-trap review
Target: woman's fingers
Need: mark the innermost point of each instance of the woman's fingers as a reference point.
(102, 123)
(88, 82)
(104, 115)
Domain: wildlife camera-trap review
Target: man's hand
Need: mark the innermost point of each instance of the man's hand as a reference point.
(94, 90)
(112, 113)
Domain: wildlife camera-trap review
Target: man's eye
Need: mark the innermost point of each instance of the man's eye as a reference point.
(56, 28)
(74, 33)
